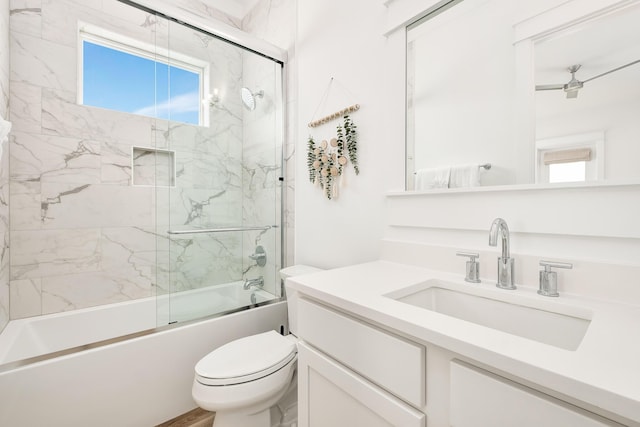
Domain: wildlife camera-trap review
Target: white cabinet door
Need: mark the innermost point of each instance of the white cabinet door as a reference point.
(482, 399)
(330, 395)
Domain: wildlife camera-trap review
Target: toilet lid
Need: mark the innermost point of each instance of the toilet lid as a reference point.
(246, 359)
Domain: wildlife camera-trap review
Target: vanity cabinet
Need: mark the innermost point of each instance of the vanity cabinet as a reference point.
(354, 374)
(481, 399)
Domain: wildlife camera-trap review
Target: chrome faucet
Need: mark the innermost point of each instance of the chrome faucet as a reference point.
(505, 262)
(256, 283)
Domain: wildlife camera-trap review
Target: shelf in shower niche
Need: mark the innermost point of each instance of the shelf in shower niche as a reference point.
(153, 167)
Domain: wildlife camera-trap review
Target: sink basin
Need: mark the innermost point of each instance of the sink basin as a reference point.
(559, 325)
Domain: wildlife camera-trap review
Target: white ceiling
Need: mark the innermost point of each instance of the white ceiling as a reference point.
(235, 8)
(599, 46)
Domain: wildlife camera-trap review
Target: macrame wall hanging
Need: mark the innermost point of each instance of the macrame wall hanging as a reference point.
(327, 159)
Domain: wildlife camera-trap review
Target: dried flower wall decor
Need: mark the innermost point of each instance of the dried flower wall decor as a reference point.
(326, 161)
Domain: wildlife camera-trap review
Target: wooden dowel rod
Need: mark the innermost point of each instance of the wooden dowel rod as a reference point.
(335, 115)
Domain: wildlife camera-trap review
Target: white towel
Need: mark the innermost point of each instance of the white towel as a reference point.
(5, 128)
(464, 176)
(430, 178)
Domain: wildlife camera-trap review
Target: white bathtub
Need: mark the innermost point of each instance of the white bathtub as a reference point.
(142, 381)
(35, 336)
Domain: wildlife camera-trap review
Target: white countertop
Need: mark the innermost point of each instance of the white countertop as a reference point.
(604, 371)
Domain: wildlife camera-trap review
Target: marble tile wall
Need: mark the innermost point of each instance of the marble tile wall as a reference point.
(206, 9)
(4, 58)
(4, 166)
(81, 234)
(272, 20)
(262, 162)
(208, 174)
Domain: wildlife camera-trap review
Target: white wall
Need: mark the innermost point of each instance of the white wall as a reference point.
(618, 120)
(344, 40)
(463, 90)
(349, 46)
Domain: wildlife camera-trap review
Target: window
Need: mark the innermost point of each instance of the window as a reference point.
(126, 75)
(568, 172)
(574, 158)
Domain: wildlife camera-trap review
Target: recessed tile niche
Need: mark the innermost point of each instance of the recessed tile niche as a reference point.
(151, 166)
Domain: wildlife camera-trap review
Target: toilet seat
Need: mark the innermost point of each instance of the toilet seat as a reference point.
(246, 359)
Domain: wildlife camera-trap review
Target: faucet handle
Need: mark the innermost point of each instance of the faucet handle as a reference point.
(549, 279)
(472, 268)
(260, 256)
(548, 265)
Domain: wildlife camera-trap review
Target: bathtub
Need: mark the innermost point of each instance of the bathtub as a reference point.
(141, 381)
(35, 336)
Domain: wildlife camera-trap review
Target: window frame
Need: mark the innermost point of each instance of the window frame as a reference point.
(100, 36)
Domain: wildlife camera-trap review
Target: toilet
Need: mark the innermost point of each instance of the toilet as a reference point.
(250, 382)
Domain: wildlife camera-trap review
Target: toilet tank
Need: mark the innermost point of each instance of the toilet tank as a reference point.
(292, 296)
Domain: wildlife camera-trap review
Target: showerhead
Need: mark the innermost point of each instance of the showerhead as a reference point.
(249, 98)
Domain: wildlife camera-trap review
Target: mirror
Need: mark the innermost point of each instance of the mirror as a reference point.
(499, 93)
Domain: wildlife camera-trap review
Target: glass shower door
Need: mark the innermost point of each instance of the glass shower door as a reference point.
(219, 234)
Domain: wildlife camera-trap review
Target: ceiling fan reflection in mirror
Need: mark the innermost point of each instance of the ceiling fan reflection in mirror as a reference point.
(574, 85)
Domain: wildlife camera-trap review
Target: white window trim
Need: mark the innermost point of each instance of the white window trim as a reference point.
(592, 140)
(100, 36)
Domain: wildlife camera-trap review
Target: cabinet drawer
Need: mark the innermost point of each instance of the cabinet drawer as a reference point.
(482, 399)
(389, 361)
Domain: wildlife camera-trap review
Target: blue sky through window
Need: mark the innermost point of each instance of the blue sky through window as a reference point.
(122, 81)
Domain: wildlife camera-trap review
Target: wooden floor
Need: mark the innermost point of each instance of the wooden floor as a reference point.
(196, 418)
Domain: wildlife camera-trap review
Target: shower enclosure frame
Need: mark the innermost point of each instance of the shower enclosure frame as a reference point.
(218, 30)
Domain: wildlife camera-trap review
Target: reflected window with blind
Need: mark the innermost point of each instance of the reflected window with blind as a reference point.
(574, 158)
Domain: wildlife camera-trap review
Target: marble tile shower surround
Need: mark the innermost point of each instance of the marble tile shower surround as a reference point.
(262, 161)
(4, 167)
(4, 59)
(272, 20)
(81, 234)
